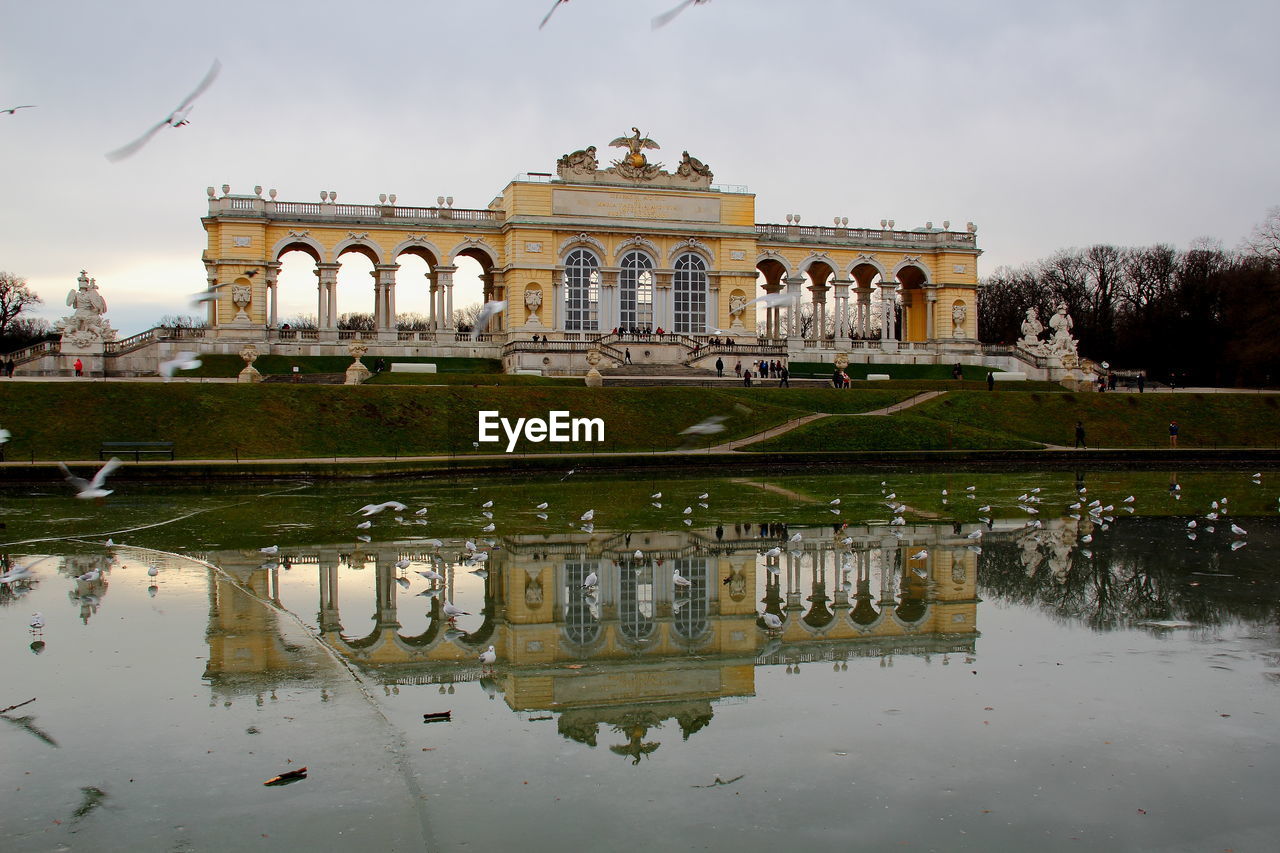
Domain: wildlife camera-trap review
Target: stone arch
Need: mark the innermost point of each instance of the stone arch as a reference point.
(863, 264)
(640, 243)
(771, 258)
(474, 249)
(582, 240)
(360, 246)
(916, 274)
(424, 249)
(692, 244)
(299, 243)
(816, 260)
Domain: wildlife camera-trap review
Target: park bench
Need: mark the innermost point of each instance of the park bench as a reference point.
(137, 448)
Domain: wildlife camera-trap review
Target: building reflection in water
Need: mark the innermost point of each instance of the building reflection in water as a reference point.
(636, 651)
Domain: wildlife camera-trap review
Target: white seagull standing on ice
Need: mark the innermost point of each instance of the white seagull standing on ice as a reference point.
(1238, 530)
(680, 580)
(588, 515)
(177, 118)
(590, 581)
(452, 612)
(771, 621)
(88, 489)
(488, 657)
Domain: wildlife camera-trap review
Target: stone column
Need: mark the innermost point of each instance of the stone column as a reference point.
(864, 310)
(888, 331)
(712, 320)
(930, 308)
(610, 300)
(444, 282)
(795, 285)
(384, 323)
(211, 276)
(273, 293)
(663, 296)
(326, 314)
(555, 311)
(498, 292)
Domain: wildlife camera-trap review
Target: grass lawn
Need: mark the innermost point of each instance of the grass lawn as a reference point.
(822, 370)
(887, 432)
(286, 420)
(1116, 420)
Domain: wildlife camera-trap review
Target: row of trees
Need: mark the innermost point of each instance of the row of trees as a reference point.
(464, 320)
(1205, 315)
(17, 331)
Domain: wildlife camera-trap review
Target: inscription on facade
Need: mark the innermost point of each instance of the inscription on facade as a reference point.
(623, 205)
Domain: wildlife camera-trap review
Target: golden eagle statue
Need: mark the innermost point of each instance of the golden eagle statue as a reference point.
(633, 144)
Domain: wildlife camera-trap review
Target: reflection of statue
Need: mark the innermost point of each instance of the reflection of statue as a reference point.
(579, 162)
(87, 325)
(958, 313)
(691, 166)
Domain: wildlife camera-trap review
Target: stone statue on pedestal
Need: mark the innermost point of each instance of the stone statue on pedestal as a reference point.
(86, 328)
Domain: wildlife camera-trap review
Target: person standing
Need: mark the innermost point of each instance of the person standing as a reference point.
(1142, 382)
(991, 380)
(1080, 442)
(627, 353)
(746, 378)
(79, 367)
(719, 366)
(1173, 433)
(784, 377)
(9, 367)
(737, 368)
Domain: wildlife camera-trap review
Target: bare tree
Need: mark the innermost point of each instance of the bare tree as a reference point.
(412, 322)
(183, 321)
(1264, 242)
(356, 321)
(464, 319)
(15, 297)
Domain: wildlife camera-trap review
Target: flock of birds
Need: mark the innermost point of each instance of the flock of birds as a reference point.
(475, 552)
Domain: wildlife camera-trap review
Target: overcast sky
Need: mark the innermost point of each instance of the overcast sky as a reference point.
(1049, 124)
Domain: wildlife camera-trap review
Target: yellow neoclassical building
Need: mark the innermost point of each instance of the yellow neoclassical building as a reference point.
(591, 254)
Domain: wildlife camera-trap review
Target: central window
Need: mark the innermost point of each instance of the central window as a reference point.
(690, 285)
(581, 291)
(636, 288)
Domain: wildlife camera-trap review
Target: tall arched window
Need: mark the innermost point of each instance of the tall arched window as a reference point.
(690, 285)
(581, 291)
(635, 284)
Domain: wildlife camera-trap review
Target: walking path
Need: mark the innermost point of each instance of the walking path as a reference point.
(799, 422)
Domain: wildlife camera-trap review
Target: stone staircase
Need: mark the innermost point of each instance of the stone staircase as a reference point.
(663, 369)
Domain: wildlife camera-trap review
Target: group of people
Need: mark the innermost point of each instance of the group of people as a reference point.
(839, 379)
(639, 333)
(763, 370)
(9, 366)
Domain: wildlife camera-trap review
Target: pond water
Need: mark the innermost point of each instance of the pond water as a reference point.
(961, 662)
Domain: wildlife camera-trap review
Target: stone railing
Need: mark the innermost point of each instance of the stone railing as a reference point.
(257, 206)
(152, 335)
(828, 233)
(34, 351)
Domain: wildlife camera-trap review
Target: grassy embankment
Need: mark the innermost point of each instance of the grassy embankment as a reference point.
(972, 420)
(62, 420)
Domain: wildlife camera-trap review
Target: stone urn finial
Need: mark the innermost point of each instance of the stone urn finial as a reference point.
(594, 379)
(357, 372)
(250, 373)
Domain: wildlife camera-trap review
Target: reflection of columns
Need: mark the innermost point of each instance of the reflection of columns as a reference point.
(930, 304)
(794, 285)
(384, 277)
(385, 594)
(329, 619)
(273, 272)
(326, 310)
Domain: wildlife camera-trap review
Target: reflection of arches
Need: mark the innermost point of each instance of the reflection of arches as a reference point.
(581, 626)
(819, 615)
(690, 621)
(635, 607)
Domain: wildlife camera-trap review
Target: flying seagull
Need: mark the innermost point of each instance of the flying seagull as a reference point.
(486, 311)
(181, 361)
(554, 6)
(667, 17)
(88, 489)
(177, 118)
(12, 110)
